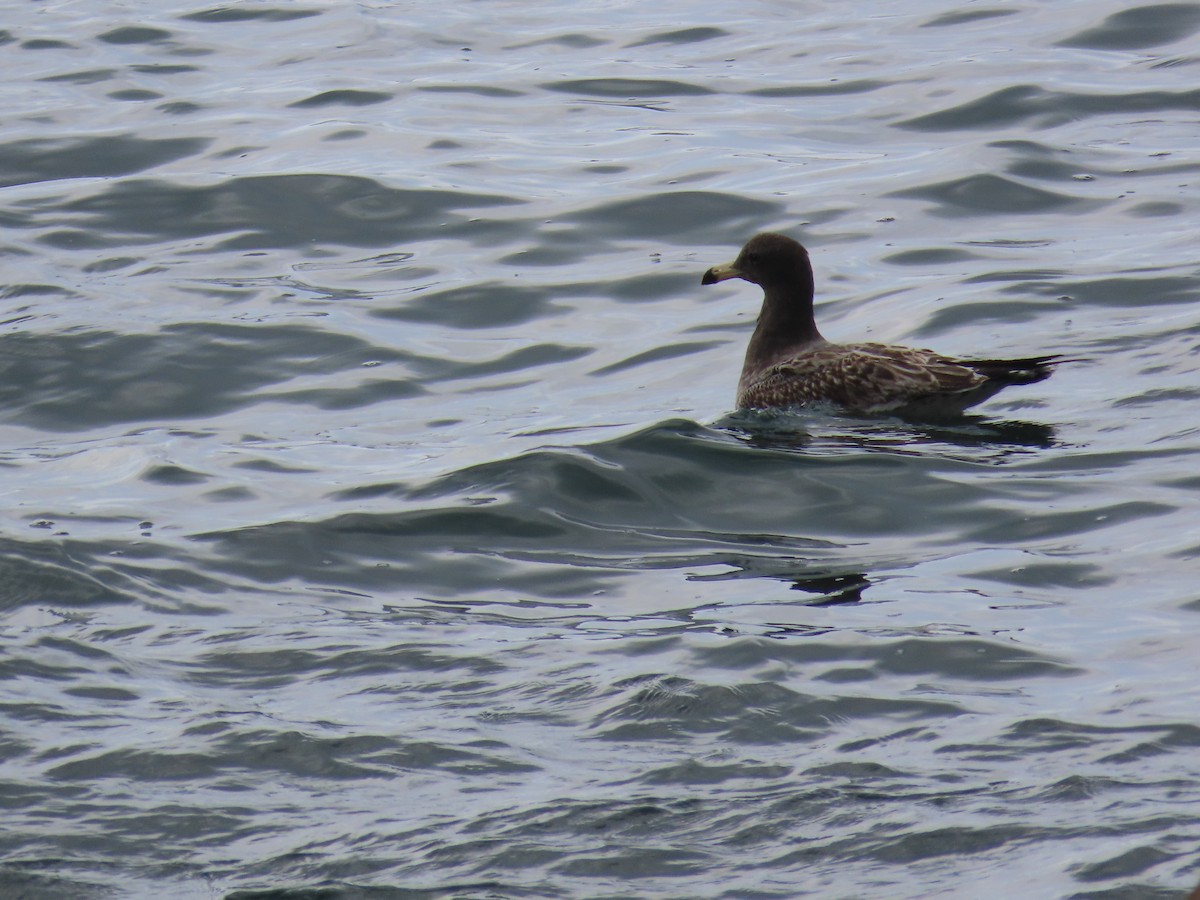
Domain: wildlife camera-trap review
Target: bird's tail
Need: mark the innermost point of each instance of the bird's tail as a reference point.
(1017, 371)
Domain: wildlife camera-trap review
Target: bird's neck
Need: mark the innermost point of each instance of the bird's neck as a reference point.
(785, 326)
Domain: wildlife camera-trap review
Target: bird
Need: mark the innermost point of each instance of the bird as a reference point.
(789, 364)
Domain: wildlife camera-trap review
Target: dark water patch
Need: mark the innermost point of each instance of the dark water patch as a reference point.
(344, 97)
(46, 44)
(180, 108)
(693, 772)
(1131, 891)
(678, 216)
(134, 34)
(1003, 107)
(647, 288)
(638, 863)
(658, 354)
(481, 90)
(605, 169)
(134, 570)
(381, 552)
(38, 886)
(174, 475)
(496, 304)
(366, 392)
(1043, 108)
(929, 257)
(1174, 61)
(1076, 576)
(260, 212)
(384, 489)
(72, 239)
(47, 573)
(289, 753)
(572, 41)
(360, 756)
(631, 818)
(545, 256)
(1140, 28)
(224, 14)
(1047, 736)
(1081, 521)
(487, 305)
(682, 36)
(973, 660)
(164, 69)
(38, 160)
(677, 466)
(1120, 290)
(993, 194)
(831, 88)
(918, 845)
(966, 17)
(85, 379)
(1154, 210)
(1045, 168)
(134, 96)
(521, 360)
(1006, 276)
(88, 76)
(1127, 863)
(63, 573)
(105, 695)
(238, 151)
(428, 669)
(741, 847)
(44, 291)
(1149, 398)
(1013, 312)
(113, 263)
(859, 771)
(955, 659)
(672, 708)
(625, 88)
(336, 889)
(671, 497)
(1079, 787)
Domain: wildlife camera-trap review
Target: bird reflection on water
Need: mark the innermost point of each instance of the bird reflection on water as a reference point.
(821, 433)
(831, 589)
(809, 429)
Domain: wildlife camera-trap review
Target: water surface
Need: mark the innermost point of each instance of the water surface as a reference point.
(377, 522)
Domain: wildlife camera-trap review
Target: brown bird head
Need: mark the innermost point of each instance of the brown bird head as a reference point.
(773, 261)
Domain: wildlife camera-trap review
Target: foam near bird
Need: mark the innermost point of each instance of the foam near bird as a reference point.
(789, 364)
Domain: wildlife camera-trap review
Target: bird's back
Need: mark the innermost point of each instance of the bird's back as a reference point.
(884, 378)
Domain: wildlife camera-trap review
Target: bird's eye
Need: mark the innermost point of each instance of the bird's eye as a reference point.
(752, 257)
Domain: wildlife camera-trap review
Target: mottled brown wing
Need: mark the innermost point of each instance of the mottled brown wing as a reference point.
(874, 377)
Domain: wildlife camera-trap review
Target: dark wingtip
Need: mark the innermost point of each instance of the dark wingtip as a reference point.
(1029, 370)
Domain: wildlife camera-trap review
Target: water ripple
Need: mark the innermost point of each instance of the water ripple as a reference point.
(377, 520)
